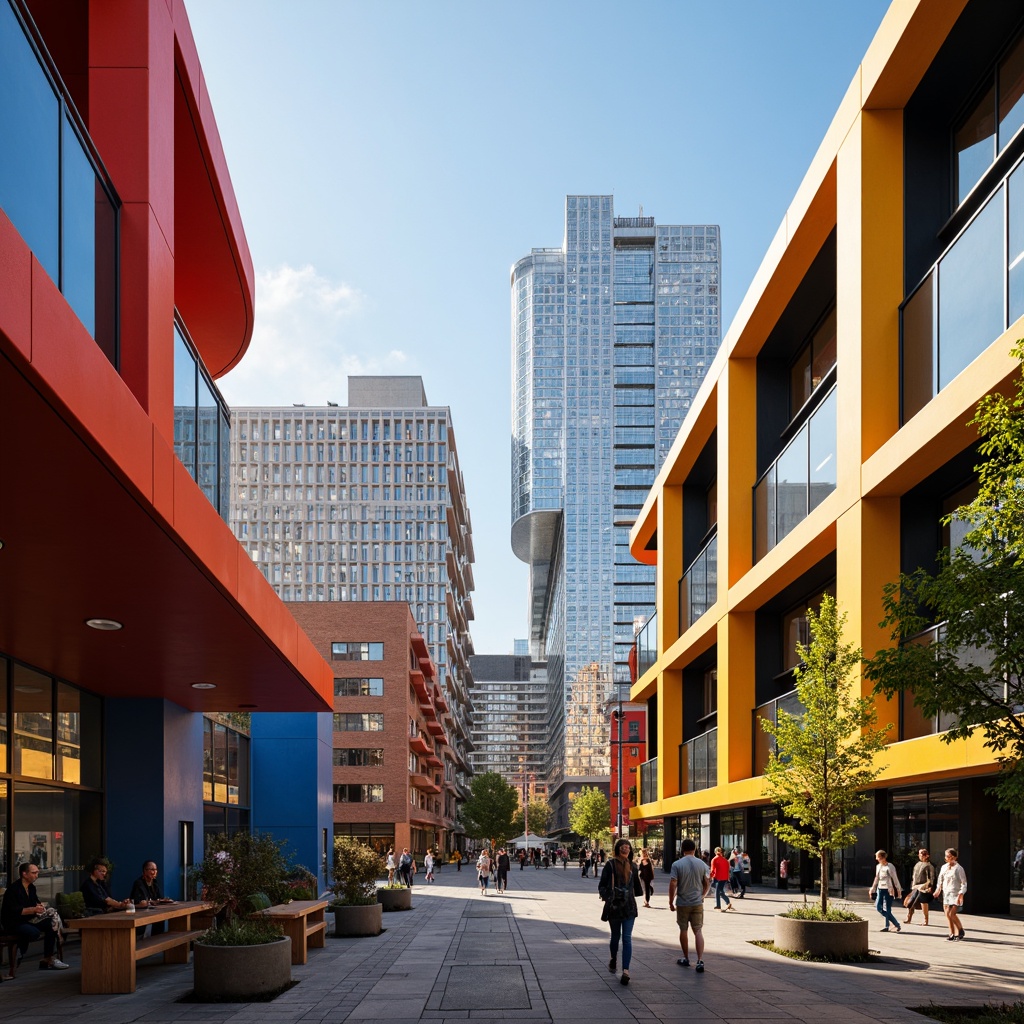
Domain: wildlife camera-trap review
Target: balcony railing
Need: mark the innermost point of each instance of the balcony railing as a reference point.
(763, 743)
(971, 294)
(647, 645)
(698, 589)
(912, 722)
(648, 775)
(698, 761)
(799, 480)
(53, 187)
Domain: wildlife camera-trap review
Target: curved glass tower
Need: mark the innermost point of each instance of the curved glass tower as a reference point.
(611, 336)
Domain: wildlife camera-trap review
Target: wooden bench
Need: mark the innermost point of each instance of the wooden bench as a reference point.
(303, 922)
(110, 946)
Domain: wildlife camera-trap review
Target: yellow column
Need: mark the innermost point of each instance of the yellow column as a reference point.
(735, 696)
(670, 732)
(670, 564)
(737, 468)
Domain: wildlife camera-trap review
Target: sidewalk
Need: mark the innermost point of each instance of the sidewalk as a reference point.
(540, 953)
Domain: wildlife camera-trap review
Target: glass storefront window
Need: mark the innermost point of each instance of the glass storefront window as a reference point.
(78, 718)
(58, 829)
(32, 723)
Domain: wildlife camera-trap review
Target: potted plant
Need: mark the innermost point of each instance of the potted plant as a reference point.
(821, 763)
(242, 956)
(394, 896)
(356, 870)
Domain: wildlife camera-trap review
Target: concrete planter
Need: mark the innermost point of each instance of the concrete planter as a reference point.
(355, 922)
(822, 938)
(394, 899)
(236, 973)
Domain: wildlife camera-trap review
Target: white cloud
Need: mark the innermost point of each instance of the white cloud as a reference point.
(306, 342)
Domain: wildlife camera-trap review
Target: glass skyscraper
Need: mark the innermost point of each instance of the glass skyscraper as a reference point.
(611, 336)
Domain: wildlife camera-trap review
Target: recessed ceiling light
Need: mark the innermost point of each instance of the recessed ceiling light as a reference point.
(204, 686)
(29, 689)
(107, 625)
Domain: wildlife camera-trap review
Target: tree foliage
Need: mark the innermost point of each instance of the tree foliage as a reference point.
(540, 817)
(589, 813)
(970, 674)
(824, 758)
(488, 812)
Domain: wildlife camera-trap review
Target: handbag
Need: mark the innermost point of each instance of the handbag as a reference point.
(618, 905)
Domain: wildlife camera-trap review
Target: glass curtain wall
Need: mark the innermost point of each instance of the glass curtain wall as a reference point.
(51, 759)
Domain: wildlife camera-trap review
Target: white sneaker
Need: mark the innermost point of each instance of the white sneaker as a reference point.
(57, 965)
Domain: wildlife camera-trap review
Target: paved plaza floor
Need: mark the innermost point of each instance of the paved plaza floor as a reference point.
(540, 954)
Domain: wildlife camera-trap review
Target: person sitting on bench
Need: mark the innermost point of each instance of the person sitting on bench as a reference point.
(22, 915)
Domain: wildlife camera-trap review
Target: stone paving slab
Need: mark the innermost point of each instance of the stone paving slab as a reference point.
(553, 941)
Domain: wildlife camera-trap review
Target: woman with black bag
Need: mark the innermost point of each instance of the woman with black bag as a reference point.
(923, 886)
(619, 888)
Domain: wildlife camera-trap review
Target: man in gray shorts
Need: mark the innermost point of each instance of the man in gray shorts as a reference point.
(686, 891)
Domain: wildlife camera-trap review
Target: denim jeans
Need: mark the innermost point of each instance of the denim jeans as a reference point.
(626, 929)
(883, 904)
(720, 894)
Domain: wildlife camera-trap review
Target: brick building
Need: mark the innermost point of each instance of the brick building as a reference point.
(393, 770)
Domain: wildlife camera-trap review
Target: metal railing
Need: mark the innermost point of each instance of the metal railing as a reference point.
(648, 777)
(763, 743)
(968, 297)
(799, 480)
(698, 762)
(647, 645)
(698, 588)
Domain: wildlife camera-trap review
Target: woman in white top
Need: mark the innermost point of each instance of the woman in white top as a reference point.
(483, 871)
(391, 865)
(952, 884)
(428, 865)
(884, 889)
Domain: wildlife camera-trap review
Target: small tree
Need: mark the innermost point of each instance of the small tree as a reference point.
(487, 814)
(540, 816)
(590, 813)
(356, 870)
(823, 759)
(243, 873)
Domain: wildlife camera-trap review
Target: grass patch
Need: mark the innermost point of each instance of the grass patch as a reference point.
(858, 958)
(263, 997)
(1003, 1013)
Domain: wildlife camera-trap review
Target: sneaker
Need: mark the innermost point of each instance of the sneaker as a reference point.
(683, 961)
(961, 934)
(53, 965)
(952, 938)
(700, 967)
(611, 966)
(730, 907)
(624, 980)
(885, 929)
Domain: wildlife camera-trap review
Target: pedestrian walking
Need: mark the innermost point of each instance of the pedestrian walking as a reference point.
(952, 884)
(720, 877)
(391, 865)
(405, 863)
(503, 864)
(584, 863)
(646, 875)
(884, 889)
(784, 873)
(483, 871)
(688, 885)
(428, 866)
(619, 888)
(736, 882)
(921, 887)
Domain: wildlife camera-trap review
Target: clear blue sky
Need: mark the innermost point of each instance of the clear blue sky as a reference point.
(393, 158)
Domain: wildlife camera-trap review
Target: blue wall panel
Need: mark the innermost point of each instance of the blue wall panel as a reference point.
(154, 775)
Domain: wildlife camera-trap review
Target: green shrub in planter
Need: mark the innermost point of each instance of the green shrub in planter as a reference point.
(356, 870)
(243, 932)
(812, 912)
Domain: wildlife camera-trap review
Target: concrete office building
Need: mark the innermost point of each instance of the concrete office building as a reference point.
(509, 727)
(611, 336)
(365, 502)
(127, 291)
(885, 309)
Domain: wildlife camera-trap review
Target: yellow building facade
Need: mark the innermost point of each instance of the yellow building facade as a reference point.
(829, 438)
